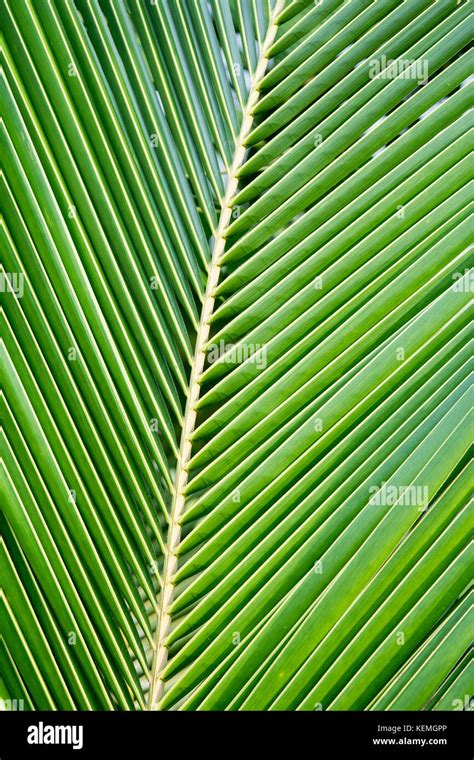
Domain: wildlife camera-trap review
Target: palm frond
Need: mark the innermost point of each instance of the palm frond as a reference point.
(237, 354)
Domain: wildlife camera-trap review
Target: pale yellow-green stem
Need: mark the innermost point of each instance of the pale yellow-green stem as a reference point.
(174, 531)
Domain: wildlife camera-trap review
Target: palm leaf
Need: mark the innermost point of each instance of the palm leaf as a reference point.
(237, 355)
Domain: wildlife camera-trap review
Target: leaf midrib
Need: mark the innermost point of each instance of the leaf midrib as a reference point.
(166, 597)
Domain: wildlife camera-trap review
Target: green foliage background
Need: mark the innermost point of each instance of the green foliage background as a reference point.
(285, 526)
